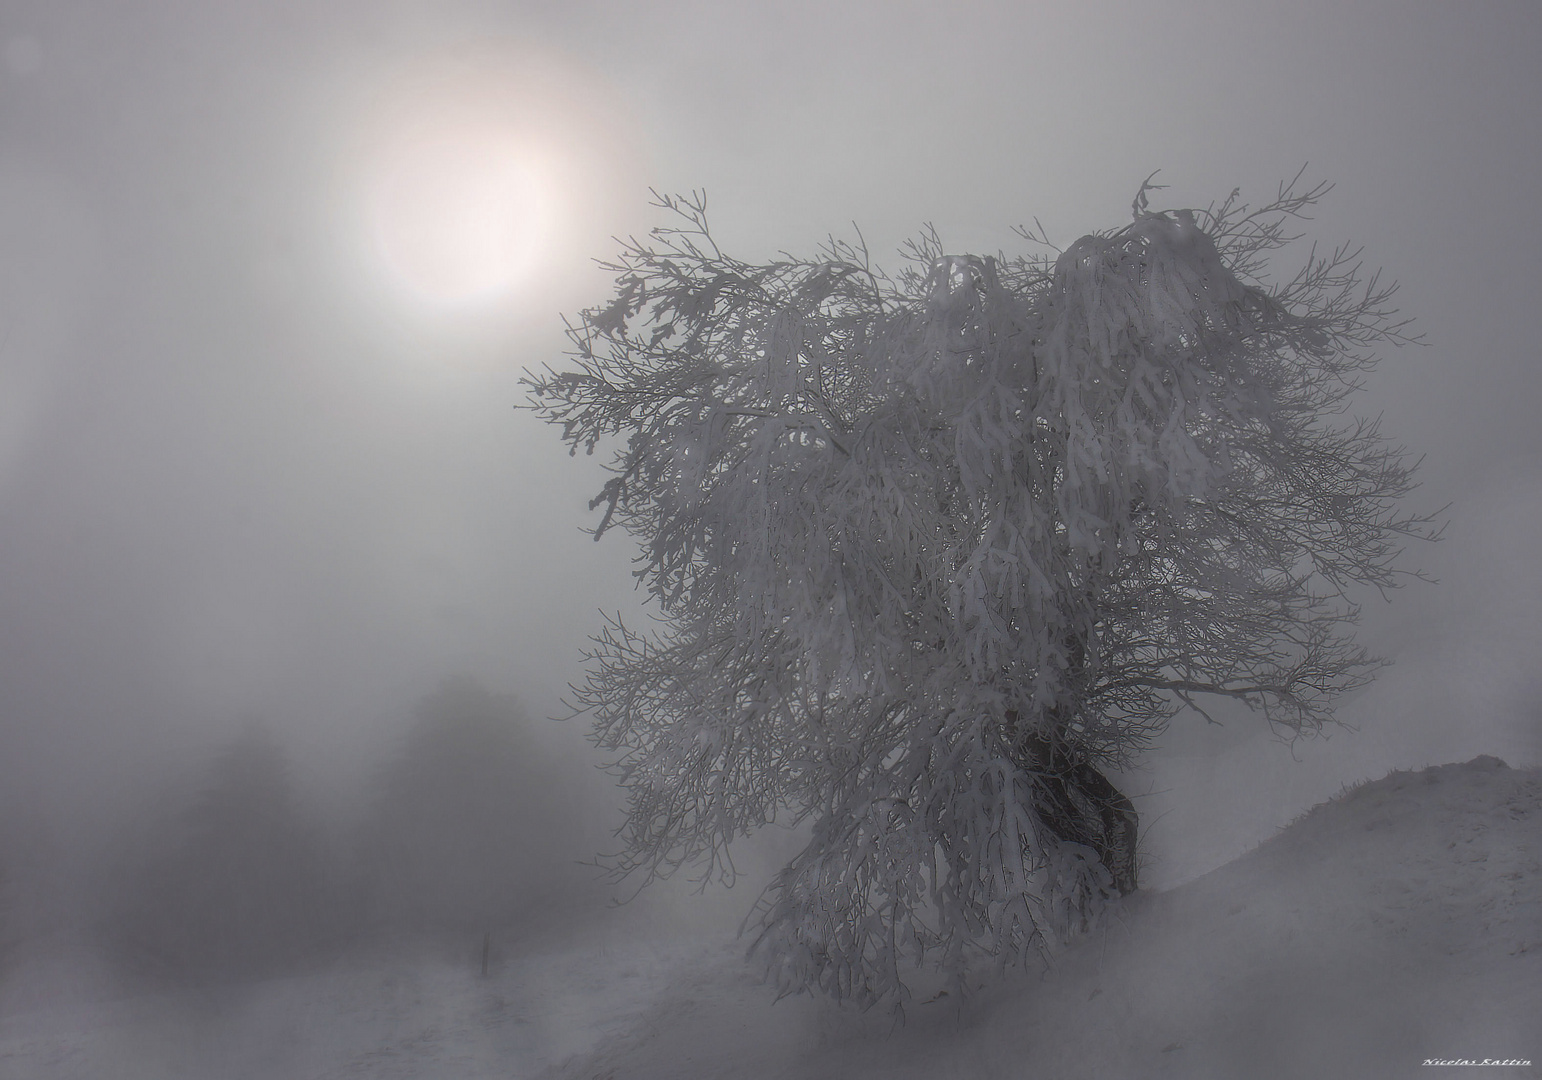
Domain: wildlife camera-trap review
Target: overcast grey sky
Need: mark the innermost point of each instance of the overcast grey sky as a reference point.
(242, 471)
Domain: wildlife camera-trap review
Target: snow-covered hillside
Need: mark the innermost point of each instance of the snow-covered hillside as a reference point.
(1399, 922)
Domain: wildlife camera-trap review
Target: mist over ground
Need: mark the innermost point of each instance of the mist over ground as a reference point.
(260, 495)
(1397, 924)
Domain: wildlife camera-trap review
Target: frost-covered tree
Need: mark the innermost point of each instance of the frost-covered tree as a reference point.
(933, 553)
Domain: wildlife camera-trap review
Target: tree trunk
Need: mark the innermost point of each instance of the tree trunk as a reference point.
(1079, 805)
(1074, 800)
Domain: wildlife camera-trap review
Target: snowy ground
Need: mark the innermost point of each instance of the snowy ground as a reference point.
(1399, 922)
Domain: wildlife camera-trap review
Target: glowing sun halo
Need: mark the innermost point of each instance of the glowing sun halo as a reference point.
(487, 173)
(459, 210)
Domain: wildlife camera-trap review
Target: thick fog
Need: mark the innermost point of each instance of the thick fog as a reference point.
(264, 485)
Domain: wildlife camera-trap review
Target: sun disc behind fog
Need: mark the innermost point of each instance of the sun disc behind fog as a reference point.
(459, 210)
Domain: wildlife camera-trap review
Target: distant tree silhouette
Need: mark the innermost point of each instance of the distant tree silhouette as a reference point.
(233, 885)
(457, 835)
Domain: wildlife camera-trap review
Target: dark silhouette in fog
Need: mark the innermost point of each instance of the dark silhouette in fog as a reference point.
(232, 877)
(459, 833)
(232, 884)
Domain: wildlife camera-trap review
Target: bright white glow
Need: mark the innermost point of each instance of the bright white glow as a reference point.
(459, 210)
(478, 184)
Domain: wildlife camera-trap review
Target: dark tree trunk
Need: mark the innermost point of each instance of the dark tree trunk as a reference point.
(1073, 799)
(1079, 805)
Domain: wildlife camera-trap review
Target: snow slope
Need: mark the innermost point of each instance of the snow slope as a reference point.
(1400, 921)
(1397, 922)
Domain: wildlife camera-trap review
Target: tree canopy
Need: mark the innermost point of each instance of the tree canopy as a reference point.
(929, 551)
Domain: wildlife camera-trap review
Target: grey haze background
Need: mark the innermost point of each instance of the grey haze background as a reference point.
(238, 478)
